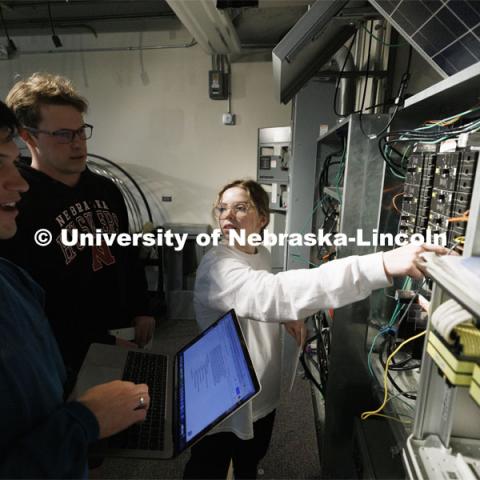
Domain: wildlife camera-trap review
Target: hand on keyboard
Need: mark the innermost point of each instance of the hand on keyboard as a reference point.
(115, 404)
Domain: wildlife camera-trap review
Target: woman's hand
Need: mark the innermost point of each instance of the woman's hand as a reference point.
(408, 260)
(298, 330)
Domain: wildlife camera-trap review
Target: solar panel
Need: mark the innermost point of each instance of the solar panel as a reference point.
(445, 32)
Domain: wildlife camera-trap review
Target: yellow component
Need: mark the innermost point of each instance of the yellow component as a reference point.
(469, 339)
(458, 372)
(475, 385)
(476, 374)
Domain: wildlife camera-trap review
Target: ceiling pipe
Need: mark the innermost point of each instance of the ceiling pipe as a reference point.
(109, 49)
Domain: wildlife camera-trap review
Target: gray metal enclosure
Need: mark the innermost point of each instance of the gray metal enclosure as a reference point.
(349, 389)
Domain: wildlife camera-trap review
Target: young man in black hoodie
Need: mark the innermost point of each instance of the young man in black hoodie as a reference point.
(41, 435)
(92, 289)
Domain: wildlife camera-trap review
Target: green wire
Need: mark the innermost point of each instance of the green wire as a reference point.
(385, 151)
(311, 215)
(404, 154)
(396, 174)
(378, 39)
(447, 119)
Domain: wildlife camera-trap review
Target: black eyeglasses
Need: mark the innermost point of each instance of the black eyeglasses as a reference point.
(66, 135)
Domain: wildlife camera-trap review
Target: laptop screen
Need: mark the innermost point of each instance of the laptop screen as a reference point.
(215, 376)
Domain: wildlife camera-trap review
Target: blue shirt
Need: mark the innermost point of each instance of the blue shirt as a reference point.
(41, 435)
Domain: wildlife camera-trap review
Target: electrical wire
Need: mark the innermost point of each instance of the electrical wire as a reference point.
(337, 85)
(394, 201)
(364, 96)
(400, 96)
(367, 414)
(378, 39)
(308, 372)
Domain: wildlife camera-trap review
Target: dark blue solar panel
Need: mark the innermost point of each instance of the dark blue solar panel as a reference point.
(406, 23)
(438, 34)
(475, 5)
(432, 5)
(414, 12)
(444, 64)
(388, 5)
(463, 11)
(446, 31)
(425, 44)
(459, 56)
(471, 43)
(455, 26)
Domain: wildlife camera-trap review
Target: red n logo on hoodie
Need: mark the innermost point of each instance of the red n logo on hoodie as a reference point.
(101, 255)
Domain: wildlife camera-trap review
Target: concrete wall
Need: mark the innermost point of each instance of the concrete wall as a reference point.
(152, 113)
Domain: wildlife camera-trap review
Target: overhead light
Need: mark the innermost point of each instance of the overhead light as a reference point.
(211, 28)
(55, 38)
(8, 50)
(236, 3)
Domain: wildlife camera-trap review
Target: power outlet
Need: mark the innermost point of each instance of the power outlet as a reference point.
(228, 118)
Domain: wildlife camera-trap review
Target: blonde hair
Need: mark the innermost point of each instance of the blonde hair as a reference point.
(257, 195)
(27, 96)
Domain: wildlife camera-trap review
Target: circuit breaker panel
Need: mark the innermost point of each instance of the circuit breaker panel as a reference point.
(274, 147)
(437, 192)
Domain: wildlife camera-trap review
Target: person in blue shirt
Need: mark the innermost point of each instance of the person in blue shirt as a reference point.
(42, 436)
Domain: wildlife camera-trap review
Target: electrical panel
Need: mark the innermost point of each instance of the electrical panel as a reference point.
(274, 150)
(217, 85)
(437, 192)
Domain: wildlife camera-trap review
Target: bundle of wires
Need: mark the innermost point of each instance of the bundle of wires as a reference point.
(318, 355)
(389, 344)
(326, 201)
(329, 205)
(431, 133)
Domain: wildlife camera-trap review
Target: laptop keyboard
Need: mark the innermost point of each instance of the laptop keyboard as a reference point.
(151, 369)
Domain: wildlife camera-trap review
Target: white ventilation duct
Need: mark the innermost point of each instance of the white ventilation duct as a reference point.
(211, 28)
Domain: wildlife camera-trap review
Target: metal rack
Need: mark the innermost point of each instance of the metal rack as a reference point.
(447, 420)
(445, 441)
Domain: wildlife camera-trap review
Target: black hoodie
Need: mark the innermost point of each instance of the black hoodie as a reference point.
(88, 290)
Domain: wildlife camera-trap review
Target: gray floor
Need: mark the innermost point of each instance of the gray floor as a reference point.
(292, 454)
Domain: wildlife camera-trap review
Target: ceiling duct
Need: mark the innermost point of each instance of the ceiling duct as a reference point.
(311, 43)
(211, 28)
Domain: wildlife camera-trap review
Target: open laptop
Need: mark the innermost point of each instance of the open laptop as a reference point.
(202, 384)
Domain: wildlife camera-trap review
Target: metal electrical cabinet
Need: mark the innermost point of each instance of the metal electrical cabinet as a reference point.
(274, 148)
(355, 186)
(273, 170)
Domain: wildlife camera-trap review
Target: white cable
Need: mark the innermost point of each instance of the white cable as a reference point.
(447, 316)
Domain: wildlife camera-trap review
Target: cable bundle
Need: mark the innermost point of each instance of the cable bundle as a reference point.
(432, 133)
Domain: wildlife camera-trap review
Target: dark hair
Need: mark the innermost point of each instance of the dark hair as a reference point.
(7, 118)
(258, 196)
